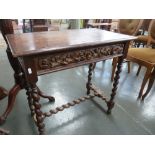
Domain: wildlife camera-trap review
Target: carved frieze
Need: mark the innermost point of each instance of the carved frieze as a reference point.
(61, 59)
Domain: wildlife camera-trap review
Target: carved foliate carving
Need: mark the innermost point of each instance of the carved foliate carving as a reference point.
(61, 59)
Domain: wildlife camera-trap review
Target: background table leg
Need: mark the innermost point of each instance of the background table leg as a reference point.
(41, 94)
(11, 100)
(3, 93)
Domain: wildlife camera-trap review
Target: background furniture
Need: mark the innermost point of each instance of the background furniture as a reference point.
(129, 27)
(3, 93)
(143, 34)
(35, 25)
(104, 24)
(27, 25)
(20, 79)
(39, 25)
(144, 57)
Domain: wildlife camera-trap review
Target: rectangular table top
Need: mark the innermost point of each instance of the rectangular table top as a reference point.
(50, 41)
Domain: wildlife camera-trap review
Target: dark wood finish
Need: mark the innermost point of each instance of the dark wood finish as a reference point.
(46, 52)
(89, 78)
(139, 68)
(44, 42)
(3, 93)
(30, 101)
(38, 28)
(20, 79)
(41, 94)
(116, 78)
(145, 25)
(85, 23)
(39, 25)
(37, 108)
(56, 62)
(11, 101)
(39, 21)
(7, 28)
(140, 62)
(36, 25)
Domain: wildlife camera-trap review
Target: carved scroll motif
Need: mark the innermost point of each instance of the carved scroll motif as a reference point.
(61, 59)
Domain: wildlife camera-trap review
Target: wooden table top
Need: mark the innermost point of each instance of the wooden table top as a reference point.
(51, 41)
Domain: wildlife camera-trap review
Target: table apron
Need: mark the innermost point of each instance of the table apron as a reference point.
(52, 62)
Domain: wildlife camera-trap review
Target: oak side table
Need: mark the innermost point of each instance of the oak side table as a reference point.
(46, 52)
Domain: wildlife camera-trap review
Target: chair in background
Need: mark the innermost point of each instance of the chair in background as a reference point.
(145, 57)
(39, 25)
(35, 25)
(104, 24)
(27, 25)
(85, 23)
(143, 34)
(19, 75)
(150, 84)
(129, 27)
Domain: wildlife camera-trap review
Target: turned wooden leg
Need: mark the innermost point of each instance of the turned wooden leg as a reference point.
(11, 100)
(38, 113)
(151, 81)
(30, 101)
(114, 64)
(3, 93)
(139, 68)
(115, 84)
(94, 65)
(145, 80)
(41, 94)
(89, 78)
